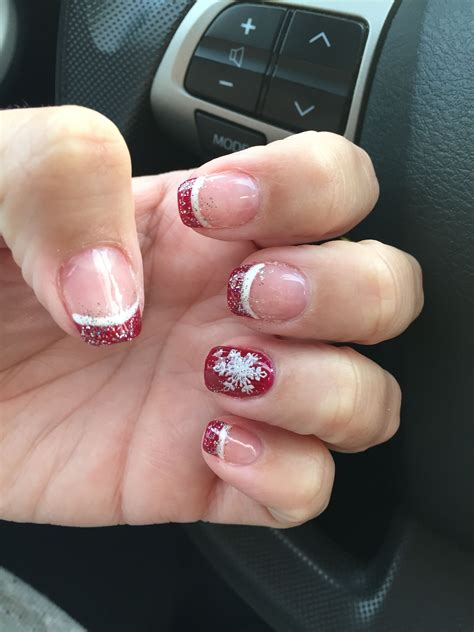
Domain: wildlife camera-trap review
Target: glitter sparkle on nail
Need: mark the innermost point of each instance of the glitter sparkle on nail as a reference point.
(239, 286)
(215, 438)
(109, 330)
(188, 203)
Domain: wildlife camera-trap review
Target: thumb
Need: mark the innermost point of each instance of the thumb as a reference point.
(67, 215)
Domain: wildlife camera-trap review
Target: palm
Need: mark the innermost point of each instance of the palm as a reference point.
(98, 436)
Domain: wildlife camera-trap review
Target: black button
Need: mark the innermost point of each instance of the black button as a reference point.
(221, 83)
(250, 24)
(233, 55)
(218, 137)
(325, 40)
(299, 107)
(314, 79)
(229, 65)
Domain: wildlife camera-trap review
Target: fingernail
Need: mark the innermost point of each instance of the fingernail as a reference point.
(221, 200)
(269, 291)
(238, 372)
(232, 444)
(100, 293)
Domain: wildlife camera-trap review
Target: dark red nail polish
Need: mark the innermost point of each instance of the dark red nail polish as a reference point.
(185, 205)
(238, 372)
(104, 331)
(214, 438)
(238, 290)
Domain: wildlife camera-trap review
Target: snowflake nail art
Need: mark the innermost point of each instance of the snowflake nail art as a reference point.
(238, 372)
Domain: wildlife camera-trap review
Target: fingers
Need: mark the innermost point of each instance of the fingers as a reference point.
(333, 393)
(67, 215)
(283, 479)
(341, 291)
(307, 187)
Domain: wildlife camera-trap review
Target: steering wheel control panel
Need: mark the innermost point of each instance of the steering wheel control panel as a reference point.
(296, 70)
(241, 74)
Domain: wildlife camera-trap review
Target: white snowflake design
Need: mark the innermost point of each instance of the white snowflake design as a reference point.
(239, 370)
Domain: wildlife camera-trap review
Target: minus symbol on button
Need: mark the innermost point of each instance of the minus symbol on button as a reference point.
(226, 84)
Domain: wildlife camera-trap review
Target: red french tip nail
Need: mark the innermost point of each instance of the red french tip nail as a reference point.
(233, 444)
(238, 372)
(185, 206)
(98, 333)
(100, 293)
(214, 438)
(235, 288)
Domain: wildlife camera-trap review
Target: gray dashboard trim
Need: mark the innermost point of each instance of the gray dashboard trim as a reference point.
(8, 31)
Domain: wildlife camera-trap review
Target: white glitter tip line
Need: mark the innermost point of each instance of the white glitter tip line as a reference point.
(196, 207)
(249, 278)
(106, 321)
(223, 434)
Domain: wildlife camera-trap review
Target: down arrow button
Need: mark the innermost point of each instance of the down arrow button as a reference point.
(302, 112)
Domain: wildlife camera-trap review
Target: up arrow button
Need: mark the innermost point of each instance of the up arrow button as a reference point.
(322, 36)
(329, 42)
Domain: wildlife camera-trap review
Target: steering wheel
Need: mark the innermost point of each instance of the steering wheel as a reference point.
(394, 552)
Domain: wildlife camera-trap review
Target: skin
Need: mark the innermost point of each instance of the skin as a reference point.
(97, 436)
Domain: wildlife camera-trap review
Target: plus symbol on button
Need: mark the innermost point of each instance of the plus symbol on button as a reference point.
(248, 26)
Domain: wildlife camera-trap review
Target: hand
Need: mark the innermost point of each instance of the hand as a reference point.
(95, 434)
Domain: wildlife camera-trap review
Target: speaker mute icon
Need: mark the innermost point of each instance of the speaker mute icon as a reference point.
(236, 56)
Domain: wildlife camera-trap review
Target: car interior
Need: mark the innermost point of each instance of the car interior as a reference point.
(188, 80)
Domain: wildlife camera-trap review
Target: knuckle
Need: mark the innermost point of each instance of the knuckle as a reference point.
(307, 138)
(390, 409)
(345, 176)
(383, 414)
(371, 183)
(80, 122)
(343, 409)
(417, 274)
(327, 171)
(77, 141)
(397, 283)
(319, 496)
(366, 410)
(316, 494)
(325, 164)
(385, 319)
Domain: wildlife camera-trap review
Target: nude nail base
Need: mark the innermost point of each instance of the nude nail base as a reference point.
(233, 444)
(100, 294)
(267, 291)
